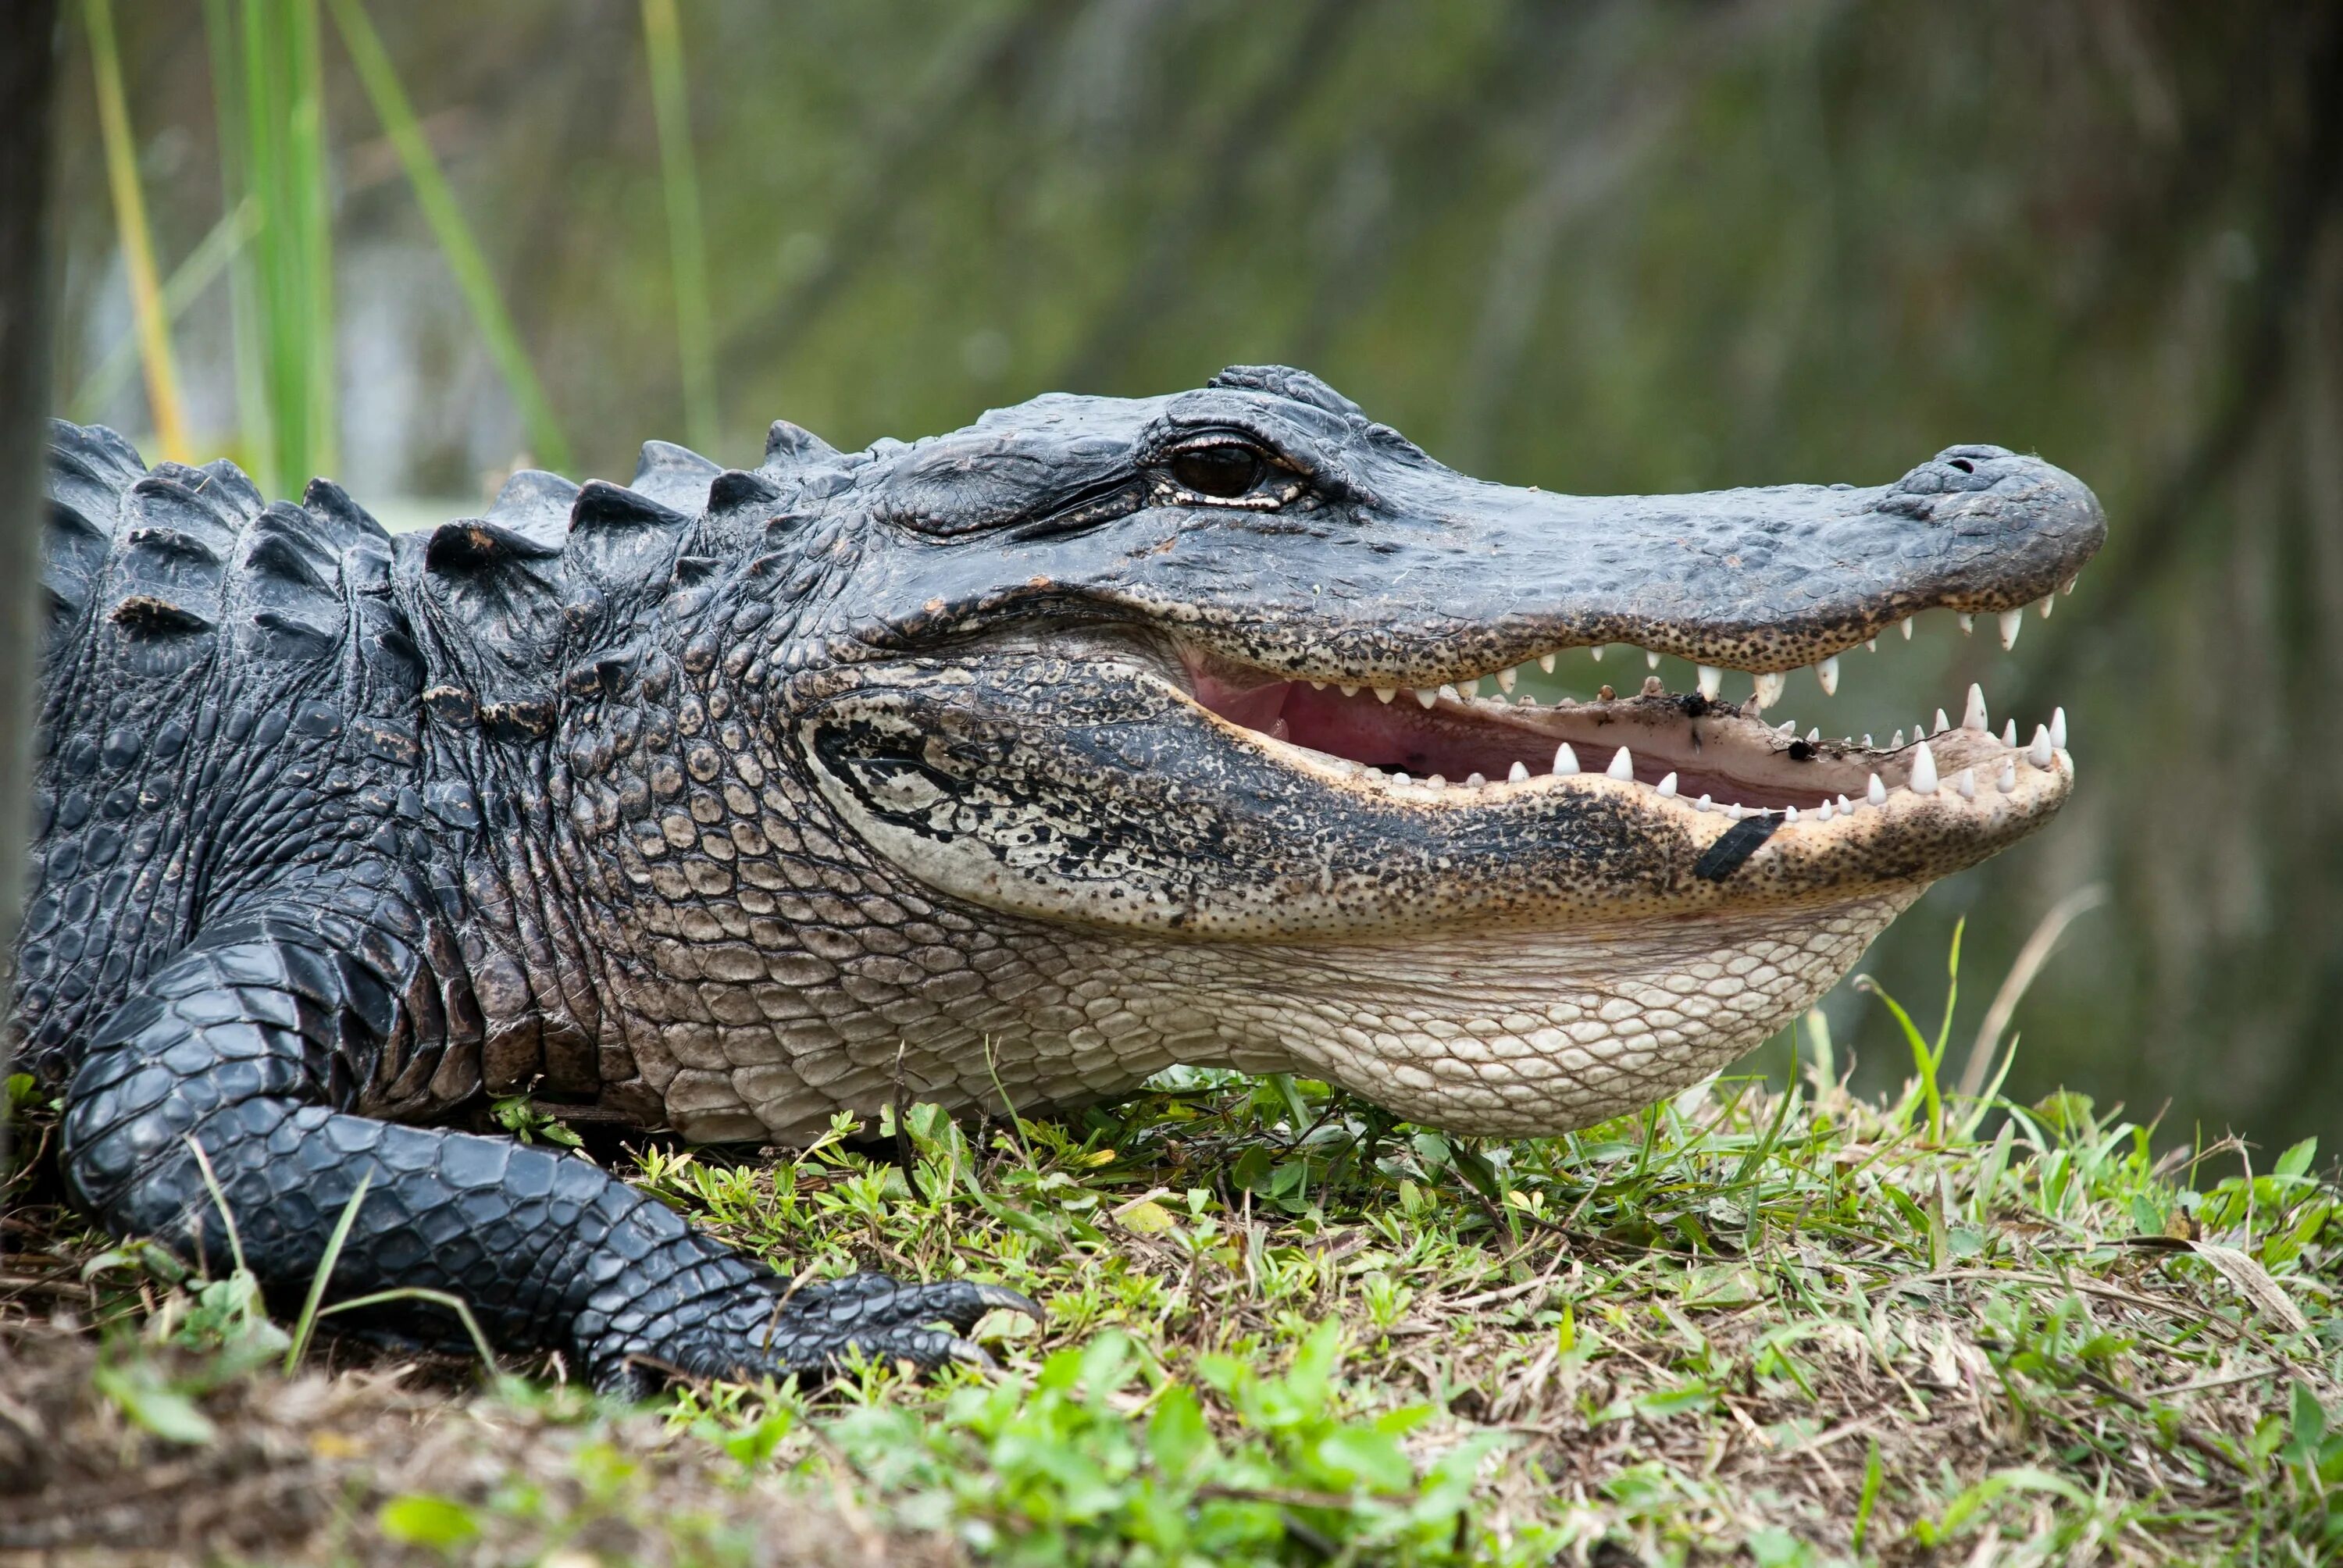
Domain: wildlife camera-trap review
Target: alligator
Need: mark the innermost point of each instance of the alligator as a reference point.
(1001, 769)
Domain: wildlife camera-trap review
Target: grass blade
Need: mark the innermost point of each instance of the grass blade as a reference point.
(687, 244)
(213, 254)
(307, 1324)
(254, 416)
(2014, 985)
(465, 260)
(153, 327)
(283, 147)
(453, 1303)
(219, 1201)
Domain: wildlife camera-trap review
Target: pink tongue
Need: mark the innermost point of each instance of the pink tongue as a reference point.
(1399, 734)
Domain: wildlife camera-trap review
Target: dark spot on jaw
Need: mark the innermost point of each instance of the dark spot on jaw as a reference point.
(1735, 846)
(1801, 752)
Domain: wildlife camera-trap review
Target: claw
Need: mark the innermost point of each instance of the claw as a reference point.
(1014, 1300)
(968, 1353)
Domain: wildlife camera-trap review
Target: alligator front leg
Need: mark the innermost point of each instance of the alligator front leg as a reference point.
(239, 1042)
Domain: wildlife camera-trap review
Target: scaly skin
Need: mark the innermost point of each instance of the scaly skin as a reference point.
(991, 762)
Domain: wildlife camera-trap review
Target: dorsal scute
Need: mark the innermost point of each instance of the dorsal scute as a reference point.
(601, 505)
(675, 477)
(790, 445)
(736, 488)
(535, 503)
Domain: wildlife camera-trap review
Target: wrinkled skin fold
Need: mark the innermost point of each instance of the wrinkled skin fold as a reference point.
(1018, 762)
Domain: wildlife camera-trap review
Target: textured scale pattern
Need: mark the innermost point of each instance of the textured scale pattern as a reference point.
(730, 798)
(248, 933)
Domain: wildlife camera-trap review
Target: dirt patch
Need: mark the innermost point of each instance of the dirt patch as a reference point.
(377, 1465)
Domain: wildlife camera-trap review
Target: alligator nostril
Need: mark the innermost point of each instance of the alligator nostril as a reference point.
(1964, 465)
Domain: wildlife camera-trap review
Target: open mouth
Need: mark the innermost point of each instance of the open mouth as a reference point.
(1482, 740)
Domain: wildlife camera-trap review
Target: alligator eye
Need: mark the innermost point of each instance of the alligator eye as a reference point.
(1225, 471)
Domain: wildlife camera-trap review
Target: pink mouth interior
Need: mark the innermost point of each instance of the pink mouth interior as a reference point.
(1733, 759)
(1400, 735)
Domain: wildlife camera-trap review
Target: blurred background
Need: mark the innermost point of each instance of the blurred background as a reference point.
(1595, 246)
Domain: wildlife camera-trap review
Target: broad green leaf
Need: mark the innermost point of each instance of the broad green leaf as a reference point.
(139, 1390)
(1177, 1437)
(420, 1519)
(1361, 1455)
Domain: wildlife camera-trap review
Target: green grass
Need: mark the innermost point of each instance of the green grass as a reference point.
(695, 340)
(456, 245)
(147, 305)
(1786, 1326)
(268, 91)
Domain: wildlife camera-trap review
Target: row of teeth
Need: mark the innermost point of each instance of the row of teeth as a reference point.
(1770, 685)
(2048, 744)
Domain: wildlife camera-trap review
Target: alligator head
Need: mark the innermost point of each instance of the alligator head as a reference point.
(1196, 710)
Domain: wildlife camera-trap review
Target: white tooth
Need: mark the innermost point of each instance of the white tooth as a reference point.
(1735, 811)
(1448, 693)
(1711, 681)
(1385, 693)
(1517, 773)
(1566, 760)
(1668, 785)
(1527, 700)
(2069, 585)
(1845, 807)
(1317, 686)
(1866, 740)
(2012, 621)
(1471, 688)
(1967, 783)
(1824, 813)
(1622, 766)
(1651, 659)
(1875, 792)
(1815, 736)
(1975, 718)
(1435, 782)
(2007, 782)
(1924, 770)
(1545, 662)
(1968, 623)
(1828, 673)
(2058, 728)
(1871, 645)
(1399, 776)
(1702, 804)
(2049, 603)
(1942, 723)
(2039, 752)
(1474, 780)
(1895, 741)
(1788, 729)
(1906, 628)
(1769, 689)
(1427, 697)
(2009, 735)
(1789, 813)
(1597, 651)
(1505, 679)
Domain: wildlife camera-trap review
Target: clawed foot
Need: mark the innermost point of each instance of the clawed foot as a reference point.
(742, 1329)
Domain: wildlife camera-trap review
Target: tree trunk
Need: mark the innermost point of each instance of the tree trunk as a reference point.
(28, 69)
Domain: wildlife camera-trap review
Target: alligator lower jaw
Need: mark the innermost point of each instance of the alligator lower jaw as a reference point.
(1685, 753)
